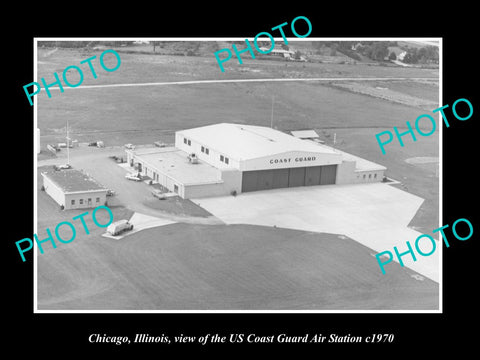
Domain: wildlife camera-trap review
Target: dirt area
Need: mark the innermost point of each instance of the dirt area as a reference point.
(178, 206)
(384, 93)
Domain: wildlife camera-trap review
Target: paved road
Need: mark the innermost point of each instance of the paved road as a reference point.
(193, 82)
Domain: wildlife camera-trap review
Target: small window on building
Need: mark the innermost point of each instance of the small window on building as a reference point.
(369, 176)
(375, 175)
(207, 151)
(189, 142)
(73, 202)
(184, 140)
(221, 158)
(226, 160)
(175, 188)
(364, 176)
(203, 149)
(97, 199)
(80, 201)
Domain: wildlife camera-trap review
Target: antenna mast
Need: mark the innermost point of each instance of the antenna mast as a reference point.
(271, 117)
(68, 146)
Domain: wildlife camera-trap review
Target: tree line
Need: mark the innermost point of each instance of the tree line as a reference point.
(379, 51)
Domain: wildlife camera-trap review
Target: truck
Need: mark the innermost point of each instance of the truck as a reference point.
(119, 227)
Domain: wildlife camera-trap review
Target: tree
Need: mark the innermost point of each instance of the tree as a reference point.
(380, 50)
(333, 50)
(410, 57)
(392, 56)
(297, 54)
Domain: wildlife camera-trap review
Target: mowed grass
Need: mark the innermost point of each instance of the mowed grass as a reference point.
(108, 112)
(226, 267)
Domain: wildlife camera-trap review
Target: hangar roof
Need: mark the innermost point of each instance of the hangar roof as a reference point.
(72, 180)
(243, 142)
(174, 163)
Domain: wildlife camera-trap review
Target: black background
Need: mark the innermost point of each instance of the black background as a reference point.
(67, 334)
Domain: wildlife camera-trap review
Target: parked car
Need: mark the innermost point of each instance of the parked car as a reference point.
(53, 148)
(133, 177)
(110, 192)
(130, 146)
(159, 194)
(62, 167)
(119, 227)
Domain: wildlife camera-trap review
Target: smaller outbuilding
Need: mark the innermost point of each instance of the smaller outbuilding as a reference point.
(304, 134)
(73, 189)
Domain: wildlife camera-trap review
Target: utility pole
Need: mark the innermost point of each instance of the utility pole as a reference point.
(68, 146)
(271, 117)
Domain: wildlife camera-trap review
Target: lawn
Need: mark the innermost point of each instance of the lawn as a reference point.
(226, 267)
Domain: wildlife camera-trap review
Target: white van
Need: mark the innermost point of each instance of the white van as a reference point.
(119, 226)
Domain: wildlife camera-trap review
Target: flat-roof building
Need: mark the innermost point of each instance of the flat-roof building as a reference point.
(74, 189)
(236, 158)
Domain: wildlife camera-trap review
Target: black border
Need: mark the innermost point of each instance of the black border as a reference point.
(55, 333)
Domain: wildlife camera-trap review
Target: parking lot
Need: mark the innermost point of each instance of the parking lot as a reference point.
(136, 196)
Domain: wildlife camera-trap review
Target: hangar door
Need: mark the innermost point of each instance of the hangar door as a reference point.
(290, 177)
(264, 179)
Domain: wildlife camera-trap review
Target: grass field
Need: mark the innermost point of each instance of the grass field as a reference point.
(241, 266)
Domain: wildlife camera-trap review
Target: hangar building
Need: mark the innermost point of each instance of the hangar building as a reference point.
(74, 189)
(236, 158)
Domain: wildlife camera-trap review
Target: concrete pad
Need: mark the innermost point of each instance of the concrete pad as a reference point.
(140, 222)
(376, 215)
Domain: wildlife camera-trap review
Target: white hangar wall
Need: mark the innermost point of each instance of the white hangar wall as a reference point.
(291, 159)
(231, 182)
(52, 189)
(240, 158)
(205, 152)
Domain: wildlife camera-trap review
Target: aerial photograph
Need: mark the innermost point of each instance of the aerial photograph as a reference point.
(196, 177)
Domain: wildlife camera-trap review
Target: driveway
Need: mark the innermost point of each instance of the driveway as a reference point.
(375, 215)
